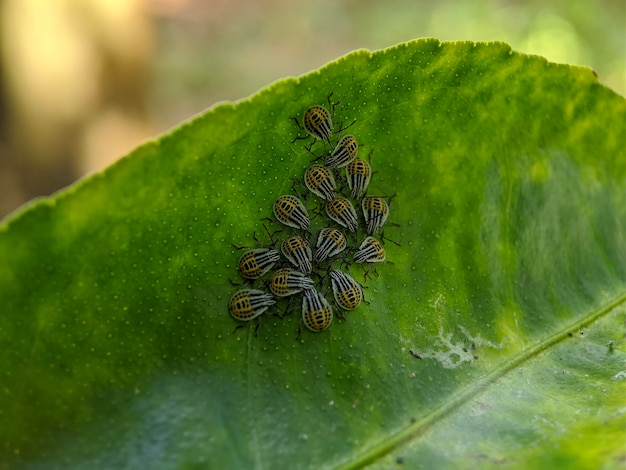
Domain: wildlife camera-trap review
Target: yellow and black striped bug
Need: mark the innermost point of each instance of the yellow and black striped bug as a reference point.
(330, 242)
(255, 263)
(320, 181)
(298, 251)
(370, 251)
(287, 281)
(375, 212)
(318, 122)
(342, 212)
(347, 292)
(345, 151)
(290, 211)
(317, 314)
(358, 173)
(248, 304)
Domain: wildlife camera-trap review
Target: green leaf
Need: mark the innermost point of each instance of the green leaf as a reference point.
(509, 283)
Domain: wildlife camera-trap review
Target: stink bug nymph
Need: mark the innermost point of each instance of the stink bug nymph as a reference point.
(318, 122)
(248, 304)
(290, 211)
(348, 293)
(375, 212)
(370, 251)
(255, 263)
(342, 212)
(320, 181)
(330, 242)
(298, 251)
(317, 314)
(287, 281)
(358, 173)
(345, 151)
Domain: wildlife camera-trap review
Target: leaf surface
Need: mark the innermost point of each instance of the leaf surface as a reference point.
(509, 283)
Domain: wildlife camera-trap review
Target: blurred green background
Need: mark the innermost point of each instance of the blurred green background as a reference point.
(82, 82)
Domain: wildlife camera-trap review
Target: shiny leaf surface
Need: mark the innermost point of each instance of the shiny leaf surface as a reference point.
(487, 333)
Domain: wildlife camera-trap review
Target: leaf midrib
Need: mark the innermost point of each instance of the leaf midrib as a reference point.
(416, 429)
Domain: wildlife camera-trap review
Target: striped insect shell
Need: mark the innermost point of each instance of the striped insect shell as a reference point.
(248, 304)
(317, 314)
(255, 263)
(345, 151)
(358, 173)
(298, 251)
(370, 251)
(290, 211)
(287, 281)
(330, 242)
(342, 211)
(375, 212)
(320, 181)
(318, 122)
(348, 293)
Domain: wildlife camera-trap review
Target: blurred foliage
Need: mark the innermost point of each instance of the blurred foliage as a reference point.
(229, 52)
(83, 81)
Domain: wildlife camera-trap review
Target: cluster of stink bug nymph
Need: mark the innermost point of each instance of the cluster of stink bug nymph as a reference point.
(306, 267)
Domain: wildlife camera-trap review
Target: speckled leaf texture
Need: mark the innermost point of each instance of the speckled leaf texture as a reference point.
(493, 339)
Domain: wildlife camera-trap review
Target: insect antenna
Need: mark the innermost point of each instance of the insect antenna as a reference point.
(299, 333)
(235, 284)
(341, 128)
(288, 308)
(383, 238)
(237, 247)
(257, 326)
(271, 235)
(331, 104)
(298, 125)
(294, 188)
(370, 267)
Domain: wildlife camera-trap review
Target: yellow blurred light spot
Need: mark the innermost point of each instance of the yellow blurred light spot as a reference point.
(52, 68)
(554, 38)
(112, 134)
(121, 26)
